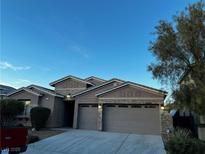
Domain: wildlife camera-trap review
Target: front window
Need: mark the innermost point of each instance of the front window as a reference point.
(27, 108)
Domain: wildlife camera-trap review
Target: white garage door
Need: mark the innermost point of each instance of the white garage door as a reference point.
(140, 119)
(87, 116)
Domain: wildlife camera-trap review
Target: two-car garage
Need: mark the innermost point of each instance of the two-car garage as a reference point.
(125, 118)
(127, 108)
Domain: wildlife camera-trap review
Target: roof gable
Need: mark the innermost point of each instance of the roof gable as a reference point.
(95, 87)
(95, 80)
(134, 93)
(25, 89)
(70, 77)
(45, 90)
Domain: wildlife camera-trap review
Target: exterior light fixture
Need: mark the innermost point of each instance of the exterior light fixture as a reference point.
(162, 107)
(100, 106)
(68, 97)
(27, 102)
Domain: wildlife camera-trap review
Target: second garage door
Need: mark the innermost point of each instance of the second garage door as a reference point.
(140, 119)
(87, 116)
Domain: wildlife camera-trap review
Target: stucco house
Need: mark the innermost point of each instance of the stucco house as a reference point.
(96, 104)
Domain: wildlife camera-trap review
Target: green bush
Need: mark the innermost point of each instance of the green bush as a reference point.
(9, 109)
(39, 116)
(181, 142)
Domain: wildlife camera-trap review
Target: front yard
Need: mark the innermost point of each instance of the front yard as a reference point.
(42, 134)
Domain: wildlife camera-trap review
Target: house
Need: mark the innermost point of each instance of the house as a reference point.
(97, 104)
(4, 90)
(33, 96)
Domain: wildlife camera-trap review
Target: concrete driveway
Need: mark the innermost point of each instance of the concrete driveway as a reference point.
(95, 142)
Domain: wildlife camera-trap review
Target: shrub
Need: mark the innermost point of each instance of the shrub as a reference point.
(39, 116)
(181, 142)
(9, 109)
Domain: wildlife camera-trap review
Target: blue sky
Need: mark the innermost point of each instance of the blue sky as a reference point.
(44, 40)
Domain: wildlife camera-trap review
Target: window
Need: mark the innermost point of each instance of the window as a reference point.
(136, 106)
(27, 108)
(150, 106)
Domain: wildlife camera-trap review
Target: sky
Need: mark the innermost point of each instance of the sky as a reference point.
(44, 40)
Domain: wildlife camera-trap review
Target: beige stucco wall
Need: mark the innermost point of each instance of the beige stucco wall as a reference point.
(58, 119)
(57, 116)
(48, 102)
(131, 95)
(26, 95)
(90, 98)
(55, 104)
(129, 92)
(69, 86)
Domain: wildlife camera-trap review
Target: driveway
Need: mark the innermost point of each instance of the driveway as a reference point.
(95, 142)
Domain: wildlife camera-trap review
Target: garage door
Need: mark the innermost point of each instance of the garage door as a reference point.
(140, 119)
(87, 116)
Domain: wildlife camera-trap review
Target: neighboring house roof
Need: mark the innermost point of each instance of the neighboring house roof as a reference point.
(24, 89)
(46, 90)
(93, 88)
(136, 85)
(4, 90)
(69, 77)
(95, 78)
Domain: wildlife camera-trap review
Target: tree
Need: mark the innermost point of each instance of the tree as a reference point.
(179, 48)
(9, 109)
